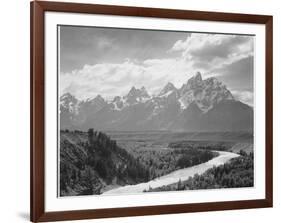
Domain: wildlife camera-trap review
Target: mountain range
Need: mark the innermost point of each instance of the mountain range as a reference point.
(198, 106)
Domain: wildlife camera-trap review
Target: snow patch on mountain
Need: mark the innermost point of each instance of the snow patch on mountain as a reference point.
(205, 93)
(69, 103)
(136, 96)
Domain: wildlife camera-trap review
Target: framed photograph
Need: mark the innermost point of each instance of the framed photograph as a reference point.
(144, 111)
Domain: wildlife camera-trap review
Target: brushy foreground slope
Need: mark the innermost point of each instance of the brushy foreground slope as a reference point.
(90, 162)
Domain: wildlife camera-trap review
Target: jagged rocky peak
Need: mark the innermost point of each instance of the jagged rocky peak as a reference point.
(99, 100)
(213, 81)
(195, 80)
(66, 96)
(69, 103)
(96, 99)
(198, 76)
(99, 97)
(144, 92)
(136, 95)
(205, 93)
(217, 86)
(168, 88)
(67, 100)
(117, 103)
(134, 92)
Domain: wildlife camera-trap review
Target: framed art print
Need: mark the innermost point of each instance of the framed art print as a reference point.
(141, 111)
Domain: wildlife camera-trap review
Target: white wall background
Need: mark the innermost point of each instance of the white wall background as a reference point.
(14, 110)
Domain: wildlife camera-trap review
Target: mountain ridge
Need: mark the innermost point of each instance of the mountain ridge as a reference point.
(194, 106)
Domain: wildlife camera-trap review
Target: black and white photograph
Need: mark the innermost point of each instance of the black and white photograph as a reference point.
(154, 111)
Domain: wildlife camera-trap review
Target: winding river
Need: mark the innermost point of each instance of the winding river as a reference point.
(174, 176)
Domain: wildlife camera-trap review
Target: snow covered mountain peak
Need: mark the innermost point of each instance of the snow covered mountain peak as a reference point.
(98, 100)
(168, 89)
(134, 92)
(198, 76)
(205, 93)
(136, 95)
(195, 80)
(143, 92)
(68, 98)
(69, 103)
(99, 97)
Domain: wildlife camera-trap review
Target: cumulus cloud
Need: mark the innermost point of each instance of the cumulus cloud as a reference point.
(246, 97)
(214, 50)
(106, 79)
(238, 75)
(117, 79)
(230, 57)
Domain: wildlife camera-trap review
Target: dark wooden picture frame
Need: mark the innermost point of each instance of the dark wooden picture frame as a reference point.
(37, 181)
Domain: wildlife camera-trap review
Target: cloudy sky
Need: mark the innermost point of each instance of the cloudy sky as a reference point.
(110, 61)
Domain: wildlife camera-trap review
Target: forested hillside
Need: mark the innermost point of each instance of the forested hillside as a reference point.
(90, 162)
